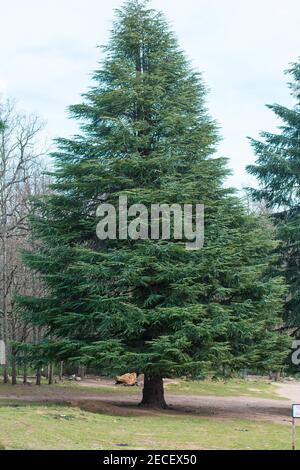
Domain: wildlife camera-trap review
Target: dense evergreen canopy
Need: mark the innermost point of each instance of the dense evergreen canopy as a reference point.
(278, 171)
(150, 306)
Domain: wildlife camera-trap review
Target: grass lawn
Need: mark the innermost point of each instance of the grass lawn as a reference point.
(58, 427)
(230, 388)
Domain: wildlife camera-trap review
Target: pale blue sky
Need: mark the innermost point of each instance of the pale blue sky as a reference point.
(48, 50)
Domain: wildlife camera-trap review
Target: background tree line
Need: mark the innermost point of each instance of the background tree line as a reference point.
(21, 178)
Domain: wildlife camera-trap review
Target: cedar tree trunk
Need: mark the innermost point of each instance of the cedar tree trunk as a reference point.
(153, 392)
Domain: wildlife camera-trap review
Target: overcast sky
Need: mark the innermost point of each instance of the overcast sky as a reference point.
(48, 50)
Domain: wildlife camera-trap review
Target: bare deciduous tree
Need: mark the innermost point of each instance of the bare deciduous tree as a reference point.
(20, 179)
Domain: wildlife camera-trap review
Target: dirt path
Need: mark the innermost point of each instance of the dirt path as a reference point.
(290, 390)
(126, 404)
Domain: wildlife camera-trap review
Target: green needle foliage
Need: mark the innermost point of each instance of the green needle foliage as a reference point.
(150, 306)
(278, 171)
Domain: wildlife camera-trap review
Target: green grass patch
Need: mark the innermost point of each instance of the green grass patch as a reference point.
(101, 389)
(58, 427)
(230, 388)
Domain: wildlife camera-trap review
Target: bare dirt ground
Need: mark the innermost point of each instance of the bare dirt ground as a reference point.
(125, 404)
(290, 390)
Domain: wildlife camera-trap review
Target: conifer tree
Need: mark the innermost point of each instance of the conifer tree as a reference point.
(150, 306)
(278, 171)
